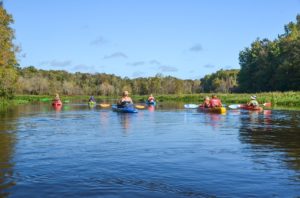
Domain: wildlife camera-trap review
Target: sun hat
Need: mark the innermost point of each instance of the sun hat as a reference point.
(253, 97)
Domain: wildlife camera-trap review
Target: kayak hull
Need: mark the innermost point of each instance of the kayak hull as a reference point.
(128, 109)
(251, 108)
(220, 110)
(56, 103)
(91, 103)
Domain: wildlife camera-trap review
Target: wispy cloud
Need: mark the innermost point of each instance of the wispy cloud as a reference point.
(57, 63)
(154, 62)
(164, 68)
(137, 63)
(99, 41)
(115, 55)
(196, 48)
(209, 66)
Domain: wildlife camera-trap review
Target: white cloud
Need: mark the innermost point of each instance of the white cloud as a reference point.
(57, 63)
(168, 69)
(115, 55)
(137, 63)
(196, 48)
(99, 41)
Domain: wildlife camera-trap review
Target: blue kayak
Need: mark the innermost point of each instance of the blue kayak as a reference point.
(152, 102)
(124, 109)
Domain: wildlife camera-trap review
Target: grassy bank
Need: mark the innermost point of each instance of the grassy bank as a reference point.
(282, 99)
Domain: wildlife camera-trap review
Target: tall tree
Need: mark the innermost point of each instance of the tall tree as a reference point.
(8, 62)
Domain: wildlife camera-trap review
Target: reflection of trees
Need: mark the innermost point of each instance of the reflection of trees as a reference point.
(268, 134)
(7, 142)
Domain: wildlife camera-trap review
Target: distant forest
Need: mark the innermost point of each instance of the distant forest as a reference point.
(265, 66)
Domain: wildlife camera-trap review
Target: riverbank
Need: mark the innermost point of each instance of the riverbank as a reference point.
(278, 99)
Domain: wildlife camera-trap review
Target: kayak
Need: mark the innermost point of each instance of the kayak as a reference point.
(125, 109)
(221, 110)
(251, 108)
(151, 102)
(91, 103)
(56, 103)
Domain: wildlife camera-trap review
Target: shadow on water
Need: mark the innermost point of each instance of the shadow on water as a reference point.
(275, 134)
(7, 146)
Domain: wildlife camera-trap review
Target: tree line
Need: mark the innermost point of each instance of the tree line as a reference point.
(272, 65)
(265, 66)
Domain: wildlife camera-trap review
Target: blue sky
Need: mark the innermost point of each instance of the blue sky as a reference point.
(183, 38)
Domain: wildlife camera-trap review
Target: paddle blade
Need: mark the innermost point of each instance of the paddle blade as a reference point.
(191, 106)
(104, 105)
(234, 106)
(267, 104)
(139, 106)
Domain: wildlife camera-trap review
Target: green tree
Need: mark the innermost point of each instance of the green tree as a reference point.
(8, 62)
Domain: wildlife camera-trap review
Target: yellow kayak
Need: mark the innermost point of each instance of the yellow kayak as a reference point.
(221, 110)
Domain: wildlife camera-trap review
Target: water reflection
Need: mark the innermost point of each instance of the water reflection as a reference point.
(272, 136)
(244, 148)
(7, 146)
(125, 119)
(151, 108)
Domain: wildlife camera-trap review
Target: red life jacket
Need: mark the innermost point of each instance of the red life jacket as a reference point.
(215, 102)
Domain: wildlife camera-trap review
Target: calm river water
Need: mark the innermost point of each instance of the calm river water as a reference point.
(165, 151)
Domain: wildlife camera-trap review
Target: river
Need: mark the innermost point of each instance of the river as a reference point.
(163, 151)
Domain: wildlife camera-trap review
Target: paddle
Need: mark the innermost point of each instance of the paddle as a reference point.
(104, 105)
(236, 106)
(191, 106)
(139, 106)
(267, 104)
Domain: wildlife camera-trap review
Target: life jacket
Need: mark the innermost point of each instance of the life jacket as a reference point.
(150, 99)
(253, 103)
(215, 102)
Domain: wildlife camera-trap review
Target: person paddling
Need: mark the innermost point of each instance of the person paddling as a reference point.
(206, 102)
(57, 97)
(215, 102)
(125, 100)
(151, 98)
(92, 99)
(253, 102)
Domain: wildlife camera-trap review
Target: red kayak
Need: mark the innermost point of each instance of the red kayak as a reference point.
(251, 108)
(56, 103)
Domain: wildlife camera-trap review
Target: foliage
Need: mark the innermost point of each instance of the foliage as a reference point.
(222, 81)
(41, 82)
(8, 62)
(272, 65)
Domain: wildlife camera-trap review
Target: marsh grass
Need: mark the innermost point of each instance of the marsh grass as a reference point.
(278, 99)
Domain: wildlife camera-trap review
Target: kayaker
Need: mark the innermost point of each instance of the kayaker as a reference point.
(206, 103)
(215, 102)
(56, 97)
(151, 98)
(92, 99)
(253, 102)
(125, 99)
